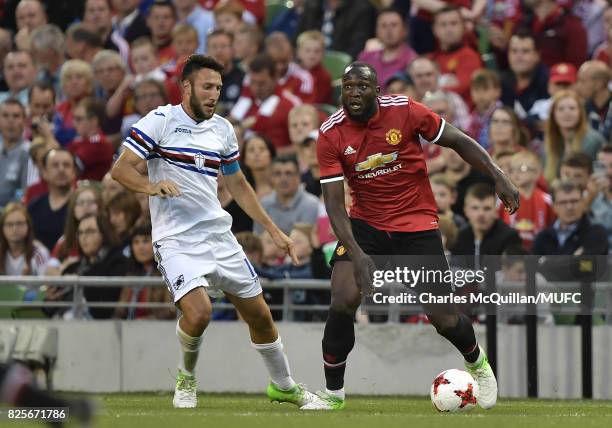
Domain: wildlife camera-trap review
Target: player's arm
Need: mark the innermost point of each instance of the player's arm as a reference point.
(246, 198)
(128, 170)
(480, 160)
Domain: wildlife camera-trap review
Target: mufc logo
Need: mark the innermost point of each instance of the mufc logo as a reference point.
(393, 136)
(341, 250)
(199, 160)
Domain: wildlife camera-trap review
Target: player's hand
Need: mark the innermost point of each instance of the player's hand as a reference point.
(286, 244)
(364, 268)
(164, 189)
(508, 193)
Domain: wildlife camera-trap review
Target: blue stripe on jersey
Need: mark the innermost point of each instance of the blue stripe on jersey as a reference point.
(135, 146)
(230, 168)
(187, 167)
(145, 136)
(188, 150)
(230, 155)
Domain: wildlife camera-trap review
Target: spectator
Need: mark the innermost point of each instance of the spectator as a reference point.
(401, 83)
(440, 103)
(311, 176)
(527, 79)
(123, 211)
(38, 187)
(190, 12)
(310, 53)
(425, 75)
(160, 22)
(77, 83)
(20, 74)
(92, 151)
(289, 203)
(338, 21)
(6, 45)
(289, 75)
(49, 211)
(248, 42)
(219, 44)
(601, 207)
(303, 120)
(271, 255)
(148, 95)
(41, 101)
(13, 152)
(29, 15)
(142, 263)
(85, 200)
(559, 35)
(505, 133)
(603, 52)
(98, 17)
(395, 54)
(455, 58)
(129, 22)
(562, 77)
(185, 41)
(82, 43)
(593, 81)
(577, 167)
(229, 16)
(535, 212)
(47, 46)
(99, 256)
(287, 20)
(265, 112)
(572, 233)
(110, 187)
(445, 193)
(20, 253)
(568, 130)
(256, 159)
(485, 90)
(485, 234)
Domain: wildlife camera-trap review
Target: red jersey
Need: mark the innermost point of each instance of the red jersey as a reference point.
(323, 82)
(461, 63)
(533, 215)
(384, 163)
(296, 81)
(94, 156)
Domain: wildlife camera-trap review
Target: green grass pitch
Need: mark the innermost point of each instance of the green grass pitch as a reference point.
(246, 411)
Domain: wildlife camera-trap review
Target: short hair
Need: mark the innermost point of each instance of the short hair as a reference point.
(220, 32)
(525, 33)
(578, 160)
(249, 242)
(286, 159)
(231, 7)
(141, 230)
(565, 186)
(93, 108)
(306, 109)
(161, 88)
(57, 150)
(184, 29)
(447, 9)
(13, 52)
(311, 35)
(108, 55)
(393, 10)
(481, 191)
(163, 3)
(262, 62)
(48, 37)
(76, 66)
(14, 102)
(485, 79)
(443, 180)
(80, 33)
(198, 62)
(439, 95)
(304, 228)
(127, 203)
(143, 41)
(253, 33)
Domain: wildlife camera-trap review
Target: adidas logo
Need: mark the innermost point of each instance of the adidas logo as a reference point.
(349, 151)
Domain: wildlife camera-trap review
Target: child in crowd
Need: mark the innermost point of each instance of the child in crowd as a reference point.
(485, 90)
(310, 52)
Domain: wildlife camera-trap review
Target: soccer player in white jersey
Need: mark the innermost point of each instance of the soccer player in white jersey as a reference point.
(184, 147)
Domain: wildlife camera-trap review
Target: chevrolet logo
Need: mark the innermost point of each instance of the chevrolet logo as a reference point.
(376, 161)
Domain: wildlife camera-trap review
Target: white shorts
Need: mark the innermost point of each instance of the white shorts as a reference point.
(214, 261)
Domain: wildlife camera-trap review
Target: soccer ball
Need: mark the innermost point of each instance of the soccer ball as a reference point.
(454, 391)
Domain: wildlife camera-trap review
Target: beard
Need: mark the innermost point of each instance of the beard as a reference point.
(196, 107)
(365, 115)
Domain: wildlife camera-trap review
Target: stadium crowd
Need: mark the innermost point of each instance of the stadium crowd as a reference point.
(529, 80)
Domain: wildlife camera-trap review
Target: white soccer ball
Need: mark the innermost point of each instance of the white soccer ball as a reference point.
(454, 391)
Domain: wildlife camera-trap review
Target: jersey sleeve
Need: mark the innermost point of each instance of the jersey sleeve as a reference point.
(330, 163)
(144, 136)
(426, 124)
(231, 152)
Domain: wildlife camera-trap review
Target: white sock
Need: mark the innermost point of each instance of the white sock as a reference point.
(276, 362)
(338, 393)
(190, 347)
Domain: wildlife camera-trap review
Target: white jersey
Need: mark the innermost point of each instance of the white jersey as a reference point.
(190, 154)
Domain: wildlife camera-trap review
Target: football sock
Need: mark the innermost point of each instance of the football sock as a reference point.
(338, 341)
(464, 339)
(277, 363)
(339, 393)
(478, 361)
(190, 347)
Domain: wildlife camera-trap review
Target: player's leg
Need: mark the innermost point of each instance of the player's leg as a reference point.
(196, 311)
(266, 340)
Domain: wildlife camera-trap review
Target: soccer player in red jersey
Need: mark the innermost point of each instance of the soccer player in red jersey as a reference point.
(373, 143)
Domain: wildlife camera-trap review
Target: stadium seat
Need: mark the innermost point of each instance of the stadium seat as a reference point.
(335, 62)
(273, 9)
(10, 293)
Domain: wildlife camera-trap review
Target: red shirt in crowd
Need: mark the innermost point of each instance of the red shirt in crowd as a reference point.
(461, 63)
(94, 156)
(257, 8)
(296, 81)
(602, 53)
(323, 83)
(534, 215)
(271, 116)
(383, 163)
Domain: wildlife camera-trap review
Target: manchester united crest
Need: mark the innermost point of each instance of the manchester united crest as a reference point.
(340, 251)
(393, 136)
